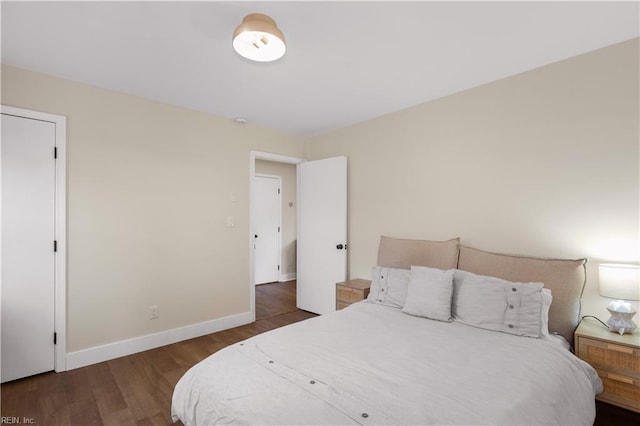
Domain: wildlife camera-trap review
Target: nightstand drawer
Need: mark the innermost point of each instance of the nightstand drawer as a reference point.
(610, 356)
(620, 389)
(346, 294)
(341, 305)
(351, 291)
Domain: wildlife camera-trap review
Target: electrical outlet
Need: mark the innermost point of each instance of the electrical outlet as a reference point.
(154, 312)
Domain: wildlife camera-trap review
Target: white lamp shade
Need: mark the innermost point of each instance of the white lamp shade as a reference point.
(259, 39)
(619, 281)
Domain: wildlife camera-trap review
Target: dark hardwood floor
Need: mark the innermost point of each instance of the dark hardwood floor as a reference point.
(137, 389)
(275, 299)
(610, 415)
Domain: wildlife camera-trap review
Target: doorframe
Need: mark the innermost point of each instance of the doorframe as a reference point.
(60, 229)
(279, 180)
(253, 156)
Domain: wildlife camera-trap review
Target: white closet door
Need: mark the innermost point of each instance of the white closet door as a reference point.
(266, 239)
(28, 226)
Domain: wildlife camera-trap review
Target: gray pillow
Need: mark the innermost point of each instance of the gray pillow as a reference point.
(496, 304)
(429, 293)
(389, 286)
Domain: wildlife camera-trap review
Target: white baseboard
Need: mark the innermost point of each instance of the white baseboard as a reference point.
(113, 350)
(287, 277)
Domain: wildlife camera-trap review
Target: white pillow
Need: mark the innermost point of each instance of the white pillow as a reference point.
(547, 298)
(389, 286)
(495, 304)
(429, 293)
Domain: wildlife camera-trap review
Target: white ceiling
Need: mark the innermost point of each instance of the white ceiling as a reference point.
(345, 63)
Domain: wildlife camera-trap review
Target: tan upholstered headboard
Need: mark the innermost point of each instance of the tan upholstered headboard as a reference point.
(401, 253)
(565, 278)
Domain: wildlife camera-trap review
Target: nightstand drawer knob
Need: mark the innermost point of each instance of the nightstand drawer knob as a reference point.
(619, 378)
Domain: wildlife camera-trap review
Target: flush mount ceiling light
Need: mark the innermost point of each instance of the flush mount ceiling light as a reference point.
(258, 38)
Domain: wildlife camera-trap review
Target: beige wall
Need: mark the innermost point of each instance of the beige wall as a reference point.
(149, 191)
(289, 234)
(543, 163)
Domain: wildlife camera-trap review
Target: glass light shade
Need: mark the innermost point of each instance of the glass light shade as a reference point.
(619, 281)
(258, 38)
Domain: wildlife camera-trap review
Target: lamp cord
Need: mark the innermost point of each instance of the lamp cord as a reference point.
(591, 316)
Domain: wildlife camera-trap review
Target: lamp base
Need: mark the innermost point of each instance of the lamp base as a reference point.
(621, 322)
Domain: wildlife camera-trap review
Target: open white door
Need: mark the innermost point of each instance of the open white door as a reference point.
(322, 233)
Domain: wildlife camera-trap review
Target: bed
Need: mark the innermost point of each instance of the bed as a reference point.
(448, 335)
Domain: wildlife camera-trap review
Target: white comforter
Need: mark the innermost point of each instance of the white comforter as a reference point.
(370, 364)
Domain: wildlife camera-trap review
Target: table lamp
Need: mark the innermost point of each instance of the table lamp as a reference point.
(620, 282)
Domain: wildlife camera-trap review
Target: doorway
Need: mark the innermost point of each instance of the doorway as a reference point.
(321, 229)
(284, 167)
(33, 243)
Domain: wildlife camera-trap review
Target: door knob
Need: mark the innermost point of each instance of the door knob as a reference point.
(339, 246)
(255, 236)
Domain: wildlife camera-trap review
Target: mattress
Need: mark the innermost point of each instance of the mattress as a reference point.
(374, 364)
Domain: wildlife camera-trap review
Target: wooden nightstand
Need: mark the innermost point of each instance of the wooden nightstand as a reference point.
(351, 291)
(616, 358)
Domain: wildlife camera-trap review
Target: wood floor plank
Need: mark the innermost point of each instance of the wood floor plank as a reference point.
(157, 420)
(158, 388)
(53, 407)
(83, 411)
(122, 417)
(134, 386)
(77, 384)
(109, 400)
(23, 406)
(192, 351)
(276, 299)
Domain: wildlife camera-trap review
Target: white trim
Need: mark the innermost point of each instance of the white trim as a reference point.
(253, 156)
(287, 277)
(60, 304)
(113, 350)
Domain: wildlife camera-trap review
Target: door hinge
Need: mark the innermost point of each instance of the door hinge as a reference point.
(55, 338)
(278, 229)
(55, 245)
(278, 267)
(55, 152)
(278, 190)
